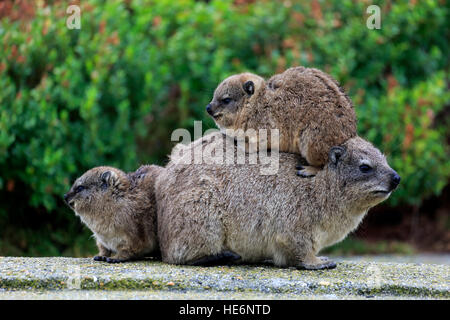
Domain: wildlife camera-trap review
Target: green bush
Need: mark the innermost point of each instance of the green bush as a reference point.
(112, 92)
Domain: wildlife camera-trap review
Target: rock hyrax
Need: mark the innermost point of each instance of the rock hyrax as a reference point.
(215, 211)
(307, 106)
(120, 210)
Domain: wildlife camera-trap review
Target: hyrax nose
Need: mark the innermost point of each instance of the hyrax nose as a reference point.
(209, 109)
(66, 197)
(395, 180)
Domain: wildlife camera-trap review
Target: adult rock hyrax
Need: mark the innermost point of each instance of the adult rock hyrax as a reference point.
(119, 209)
(213, 211)
(307, 106)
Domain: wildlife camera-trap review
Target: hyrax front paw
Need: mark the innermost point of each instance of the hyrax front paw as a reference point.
(114, 260)
(306, 171)
(100, 258)
(323, 263)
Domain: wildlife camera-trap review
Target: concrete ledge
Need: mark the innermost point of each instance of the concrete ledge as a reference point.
(83, 278)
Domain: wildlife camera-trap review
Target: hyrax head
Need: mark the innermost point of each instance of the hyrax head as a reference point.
(93, 192)
(231, 96)
(362, 173)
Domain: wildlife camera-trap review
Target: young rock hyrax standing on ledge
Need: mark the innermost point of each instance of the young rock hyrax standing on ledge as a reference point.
(120, 210)
(307, 106)
(214, 211)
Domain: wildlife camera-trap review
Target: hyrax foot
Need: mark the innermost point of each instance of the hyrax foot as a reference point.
(301, 164)
(307, 171)
(113, 260)
(100, 258)
(323, 263)
(103, 252)
(225, 257)
(121, 256)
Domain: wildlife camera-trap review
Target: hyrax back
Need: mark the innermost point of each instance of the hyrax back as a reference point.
(210, 209)
(306, 105)
(119, 209)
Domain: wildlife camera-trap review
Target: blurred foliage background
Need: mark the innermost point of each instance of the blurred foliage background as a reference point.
(112, 92)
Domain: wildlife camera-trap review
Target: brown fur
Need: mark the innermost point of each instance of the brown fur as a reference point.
(120, 210)
(204, 210)
(306, 105)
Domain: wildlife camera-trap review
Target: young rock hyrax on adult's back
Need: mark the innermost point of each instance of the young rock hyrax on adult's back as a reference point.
(212, 211)
(120, 210)
(306, 105)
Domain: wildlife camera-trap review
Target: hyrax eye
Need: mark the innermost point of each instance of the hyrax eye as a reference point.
(364, 168)
(226, 100)
(79, 189)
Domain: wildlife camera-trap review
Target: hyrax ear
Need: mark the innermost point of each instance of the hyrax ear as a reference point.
(249, 87)
(336, 153)
(108, 178)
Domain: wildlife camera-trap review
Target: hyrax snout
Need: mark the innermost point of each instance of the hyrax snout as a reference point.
(120, 210)
(214, 211)
(307, 106)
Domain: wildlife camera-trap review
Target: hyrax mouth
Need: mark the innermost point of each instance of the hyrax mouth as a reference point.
(217, 116)
(69, 201)
(381, 192)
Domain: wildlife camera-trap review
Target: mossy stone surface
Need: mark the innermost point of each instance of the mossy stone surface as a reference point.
(83, 278)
